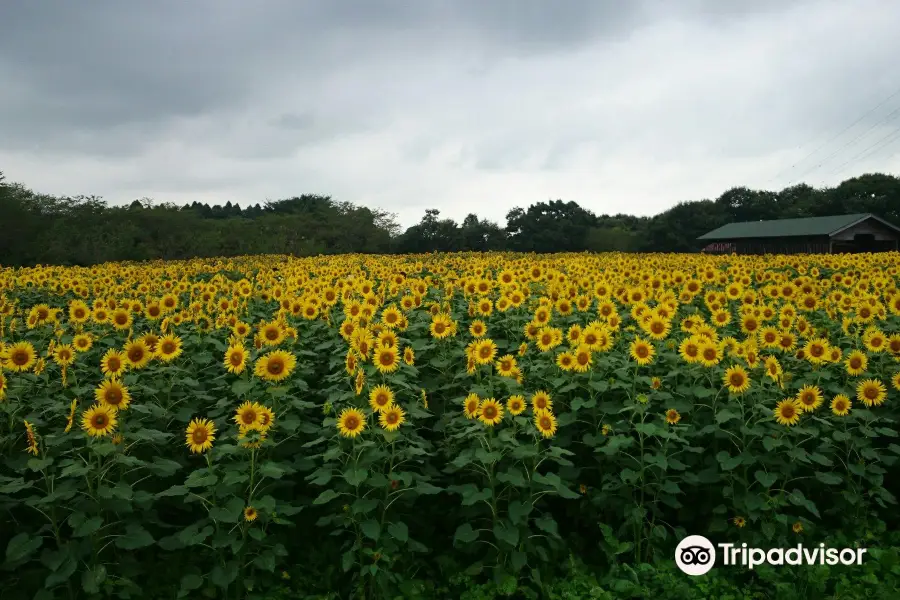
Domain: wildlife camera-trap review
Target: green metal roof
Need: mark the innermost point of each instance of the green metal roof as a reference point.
(789, 227)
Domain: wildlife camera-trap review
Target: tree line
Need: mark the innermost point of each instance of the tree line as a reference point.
(83, 230)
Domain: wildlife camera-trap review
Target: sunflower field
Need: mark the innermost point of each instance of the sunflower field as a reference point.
(445, 425)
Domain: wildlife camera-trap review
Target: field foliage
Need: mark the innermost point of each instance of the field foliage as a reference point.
(444, 425)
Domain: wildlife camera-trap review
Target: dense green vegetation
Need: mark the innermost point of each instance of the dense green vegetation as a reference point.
(39, 228)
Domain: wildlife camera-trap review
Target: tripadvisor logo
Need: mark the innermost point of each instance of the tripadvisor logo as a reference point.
(696, 555)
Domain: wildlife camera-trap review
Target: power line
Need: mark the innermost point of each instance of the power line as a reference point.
(883, 142)
(893, 114)
(842, 132)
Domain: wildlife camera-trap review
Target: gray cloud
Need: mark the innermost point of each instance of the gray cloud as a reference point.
(464, 105)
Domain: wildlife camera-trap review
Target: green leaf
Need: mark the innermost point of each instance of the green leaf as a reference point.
(548, 524)
(92, 579)
(21, 546)
(223, 576)
(62, 573)
(507, 533)
(191, 582)
(201, 478)
(135, 537)
(766, 479)
(371, 529)
(14, 485)
(356, 476)
(37, 464)
(271, 470)
(828, 478)
(518, 510)
(325, 496)
(399, 531)
(347, 560)
(241, 387)
(726, 415)
(728, 462)
(513, 476)
(175, 490)
(265, 561)
(88, 527)
(163, 467)
(465, 534)
(426, 488)
(321, 476)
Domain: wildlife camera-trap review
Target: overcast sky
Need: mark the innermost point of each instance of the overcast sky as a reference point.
(461, 105)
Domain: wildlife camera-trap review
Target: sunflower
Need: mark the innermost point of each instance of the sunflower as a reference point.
(773, 368)
(483, 351)
(672, 416)
(689, 349)
(113, 394)
(709, 353)
(391, 417)
(351, 422)
(658, 328)
(199, 435)
(736, 379)
(895, 381)
(797, 527)
(409, 356)
(565, 361)
(874, 340)
(642, 351)
(787, 412)
(490, 412)
(2, 386)
(506, 365)
(582, 359)
(168, 348)
(137, 354)
(470, 405)
(816, 350)
(250, 514)
(121, 319)
(271, 334)
(247, 415)
(516, 404)
(236, 358)
(83, 342)
(265, 418)
(545, 422)
(20, 357)
(387, 339)
(275, 366)
(574, 335)
(871, 392)
(768, 337)
(99, 420)
(478, 328)
(386, 359)
(540, 400)
(380, 398)
(64, 355)
(841, 405)
(739, 522)
(79, 312)
(809, 398)
(251, 437)
(441, 326)
(856, 363)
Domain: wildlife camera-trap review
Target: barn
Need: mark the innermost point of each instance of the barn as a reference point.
(814, 235)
